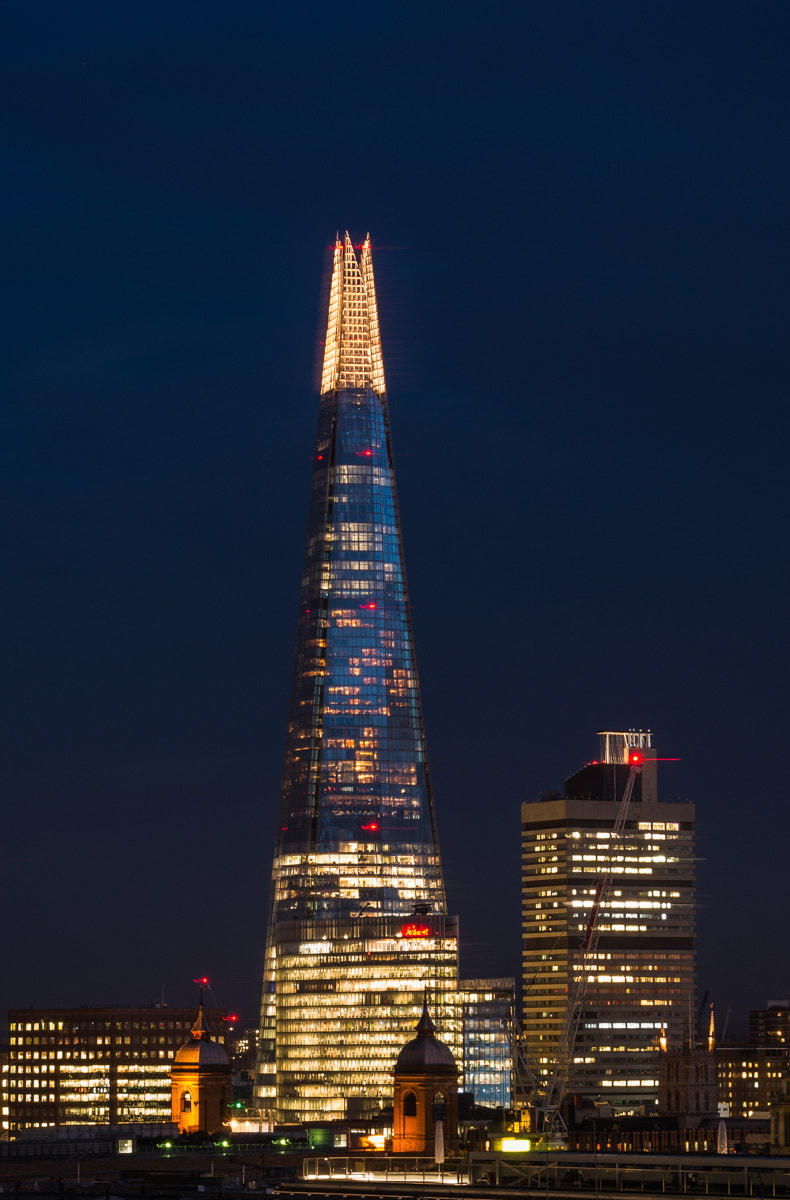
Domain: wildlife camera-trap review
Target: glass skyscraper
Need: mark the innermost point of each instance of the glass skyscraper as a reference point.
(357, 922)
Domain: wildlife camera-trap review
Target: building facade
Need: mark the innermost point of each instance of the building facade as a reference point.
(749, 1078)
(688, 1084)
(770, 1026)
(642, 978)
(358, 927)
(93, 1066)
(487, 1065)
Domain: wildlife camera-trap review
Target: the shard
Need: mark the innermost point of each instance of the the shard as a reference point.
(358, 928)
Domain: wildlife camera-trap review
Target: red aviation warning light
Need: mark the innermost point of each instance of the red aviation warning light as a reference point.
(412, 930)
(202, 980)
(370, 604)
(635, 759)
(372, 826)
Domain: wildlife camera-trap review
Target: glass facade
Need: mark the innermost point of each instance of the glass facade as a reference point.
(643, 975)
(356, 847)
(487, 1062)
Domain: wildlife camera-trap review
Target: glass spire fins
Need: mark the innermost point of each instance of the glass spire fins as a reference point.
(356, 855)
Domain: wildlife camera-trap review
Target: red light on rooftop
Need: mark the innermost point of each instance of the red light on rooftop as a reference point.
(370, 604)
(636, 758)
(372, 825)
(364, 453)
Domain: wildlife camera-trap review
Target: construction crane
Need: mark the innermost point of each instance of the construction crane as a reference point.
(546, 1090)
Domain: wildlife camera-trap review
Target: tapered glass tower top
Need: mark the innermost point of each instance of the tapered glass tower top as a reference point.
(357, 921)
(355, 778)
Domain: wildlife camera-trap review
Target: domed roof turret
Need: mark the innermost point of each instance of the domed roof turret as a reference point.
(200, 1050)
(425, 1054)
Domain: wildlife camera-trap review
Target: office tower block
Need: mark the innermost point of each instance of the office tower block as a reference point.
(487, 1059)
(358, 927)
(642, 976)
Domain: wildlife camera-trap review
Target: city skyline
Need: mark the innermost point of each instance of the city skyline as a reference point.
(581, 261)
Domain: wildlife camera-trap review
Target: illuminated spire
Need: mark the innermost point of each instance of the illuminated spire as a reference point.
(711, 1031)
(352, 353)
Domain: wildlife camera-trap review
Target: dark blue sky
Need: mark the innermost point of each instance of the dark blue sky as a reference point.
(582, 214)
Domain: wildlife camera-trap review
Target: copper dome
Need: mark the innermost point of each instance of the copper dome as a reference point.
(425, 1054)
(200, 1050)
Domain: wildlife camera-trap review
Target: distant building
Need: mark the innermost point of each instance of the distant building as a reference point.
(487, 1058)
(770, 1026)
(750, 1078)
(688, 1083)
(780, 1117)
(93, 1066)
(643, 976)
(242, 1047)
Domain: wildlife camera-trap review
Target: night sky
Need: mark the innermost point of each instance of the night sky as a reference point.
(579, 214)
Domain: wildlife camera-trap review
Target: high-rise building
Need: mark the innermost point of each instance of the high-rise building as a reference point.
(642, 976)
(358, 927)
(93, 1066)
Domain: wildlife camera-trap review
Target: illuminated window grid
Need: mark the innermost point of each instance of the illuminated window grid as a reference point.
(487, 1058)
(90, 1066)
(645, 974)
(347, 1002)
(749, 1077)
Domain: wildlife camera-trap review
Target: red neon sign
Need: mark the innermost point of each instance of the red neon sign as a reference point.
(412, 930)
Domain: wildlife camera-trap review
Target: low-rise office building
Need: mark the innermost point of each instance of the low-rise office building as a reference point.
(749, 1078)
(93, 1066)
